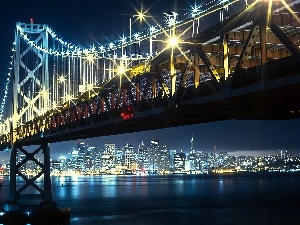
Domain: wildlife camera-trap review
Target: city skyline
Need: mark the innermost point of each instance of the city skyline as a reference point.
(85, 24)
(155, 159)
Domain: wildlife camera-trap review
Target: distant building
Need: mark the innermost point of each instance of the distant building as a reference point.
(129, 159)
(154, 154)
(179, 162)
(108, 157)
(143, 157)
(171, 159)
(164, 159)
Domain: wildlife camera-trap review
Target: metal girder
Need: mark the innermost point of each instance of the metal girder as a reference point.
(129, 92)
(208, 64)
(165, 89)
(284, 38)
(247, 48)
(15, 195)
(182, 86)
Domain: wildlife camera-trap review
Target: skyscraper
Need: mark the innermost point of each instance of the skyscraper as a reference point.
(143, 157)
(108, 157)
(179, 162)
(128, 155)
(154, 154)
(192, 145)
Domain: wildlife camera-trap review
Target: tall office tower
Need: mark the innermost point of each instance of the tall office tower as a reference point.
(154, 154)
(143, 157)
(179, 162)
(164, 159)
(171, 159)
(129, 160)
(108, 156)
(192, 145)
(81, 148)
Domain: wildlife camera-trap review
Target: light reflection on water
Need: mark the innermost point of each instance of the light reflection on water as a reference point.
(144, 200)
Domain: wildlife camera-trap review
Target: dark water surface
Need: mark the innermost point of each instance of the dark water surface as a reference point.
(178, 199)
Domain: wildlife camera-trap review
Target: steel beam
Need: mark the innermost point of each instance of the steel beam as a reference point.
(16, 195)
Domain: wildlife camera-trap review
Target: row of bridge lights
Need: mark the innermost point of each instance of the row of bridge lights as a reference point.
(170, 19)
(93, 52)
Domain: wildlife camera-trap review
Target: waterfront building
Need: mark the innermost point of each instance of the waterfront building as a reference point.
(108, 158)
(62, 163)
(88, 159)
(97, 159)
(154, 154)
(75, 163)
(120, 157)
(23, 168)
(171, 159)
(179, 162)
(191, 162)
(81, 148)
(164, 159)
(129, 160)
(143, 157)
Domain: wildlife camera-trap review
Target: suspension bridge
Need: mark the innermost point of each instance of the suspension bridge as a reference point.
(245, 66)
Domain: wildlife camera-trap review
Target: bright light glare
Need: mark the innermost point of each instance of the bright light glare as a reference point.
(141, 15)
(121, 69)
(90, 58)
(173, 41)
(61, 79)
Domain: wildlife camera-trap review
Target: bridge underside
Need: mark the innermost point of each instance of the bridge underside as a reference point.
(269, 101)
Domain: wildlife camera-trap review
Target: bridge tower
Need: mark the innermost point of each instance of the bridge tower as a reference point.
(30, 100)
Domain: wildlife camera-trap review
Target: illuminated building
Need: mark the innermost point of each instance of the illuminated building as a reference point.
(74, 165)
(128, 155)
(120, 157)
(154, 154)
(108, 157)
(143, 157)
(62, 163)
(179, 162)
(81, 147)
(172, 156)
(24, 166)
(97, 159)
(88, 159)
(164, 159)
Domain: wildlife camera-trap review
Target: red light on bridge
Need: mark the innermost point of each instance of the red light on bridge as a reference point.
(31, 20)
(127, 112)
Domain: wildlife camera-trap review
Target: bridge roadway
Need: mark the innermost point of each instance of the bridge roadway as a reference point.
(270, 97)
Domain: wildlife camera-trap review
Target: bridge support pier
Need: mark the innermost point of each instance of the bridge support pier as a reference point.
(19, 168)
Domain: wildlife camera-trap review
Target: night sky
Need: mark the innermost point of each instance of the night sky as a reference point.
(88, 22)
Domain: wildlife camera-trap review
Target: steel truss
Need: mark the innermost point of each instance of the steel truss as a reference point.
(16, 194)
